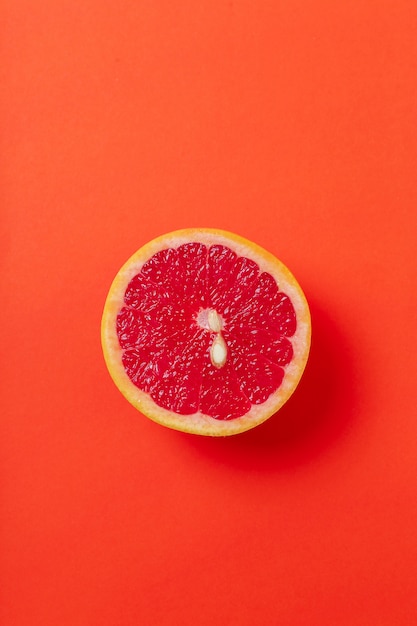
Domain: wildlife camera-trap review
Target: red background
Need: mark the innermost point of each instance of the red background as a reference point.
(293, 124)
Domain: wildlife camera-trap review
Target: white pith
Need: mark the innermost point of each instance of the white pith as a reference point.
(209, 319)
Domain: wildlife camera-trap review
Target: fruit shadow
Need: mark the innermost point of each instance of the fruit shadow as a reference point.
(318, 414)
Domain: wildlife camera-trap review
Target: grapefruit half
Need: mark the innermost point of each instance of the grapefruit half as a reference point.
(205, 332)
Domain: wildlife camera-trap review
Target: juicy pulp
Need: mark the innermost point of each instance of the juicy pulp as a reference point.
(166, 348)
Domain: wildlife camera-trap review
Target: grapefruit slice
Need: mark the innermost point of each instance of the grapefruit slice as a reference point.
(205, 332)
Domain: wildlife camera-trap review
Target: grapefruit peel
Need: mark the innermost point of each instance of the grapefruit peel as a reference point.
(199, 423)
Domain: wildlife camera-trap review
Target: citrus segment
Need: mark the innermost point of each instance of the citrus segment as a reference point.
(205, 332)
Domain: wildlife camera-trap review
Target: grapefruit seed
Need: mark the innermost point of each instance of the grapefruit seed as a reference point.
(205, 332)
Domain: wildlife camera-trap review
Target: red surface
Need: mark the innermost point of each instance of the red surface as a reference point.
(293, 124)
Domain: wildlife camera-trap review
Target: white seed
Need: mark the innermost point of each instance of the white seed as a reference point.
(218, 351)
(214, 321)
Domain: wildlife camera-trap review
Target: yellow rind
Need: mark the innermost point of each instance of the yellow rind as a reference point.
(199, 423)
